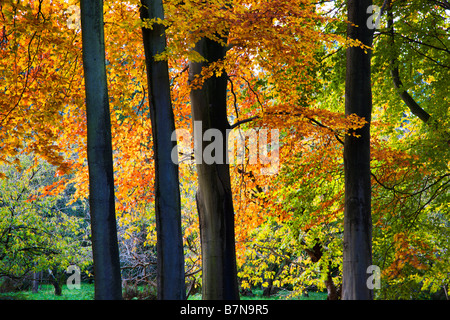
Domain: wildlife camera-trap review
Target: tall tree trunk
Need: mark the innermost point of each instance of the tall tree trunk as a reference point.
(357, 213)
(214, 197)
(99, 151)
(170, 256)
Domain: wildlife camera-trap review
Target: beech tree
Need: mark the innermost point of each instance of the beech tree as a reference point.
(99, 153)
(214, 196)
(357, 213)
(170, 259)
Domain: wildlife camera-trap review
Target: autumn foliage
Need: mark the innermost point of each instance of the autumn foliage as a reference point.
(285, 69)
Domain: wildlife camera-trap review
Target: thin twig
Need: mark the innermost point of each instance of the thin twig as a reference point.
(243, 121)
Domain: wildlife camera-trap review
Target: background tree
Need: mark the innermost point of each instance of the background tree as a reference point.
(29, 65)
(38, 232)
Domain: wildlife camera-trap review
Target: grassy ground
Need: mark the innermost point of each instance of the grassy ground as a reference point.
(86, 292)
(282, 295)
(47, 292)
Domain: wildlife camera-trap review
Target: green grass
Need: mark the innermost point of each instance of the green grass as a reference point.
(86, 292)
(47, 292)
(282, 295)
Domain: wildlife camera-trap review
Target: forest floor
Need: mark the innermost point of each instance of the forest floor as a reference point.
(86, 292)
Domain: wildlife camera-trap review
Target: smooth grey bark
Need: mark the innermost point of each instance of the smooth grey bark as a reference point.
(170, 254)
(214, 196)
(99, 152)
(357, 213)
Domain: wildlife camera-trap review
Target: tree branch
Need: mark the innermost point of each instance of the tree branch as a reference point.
(444, 4)
(243, 121)
(404, 95)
